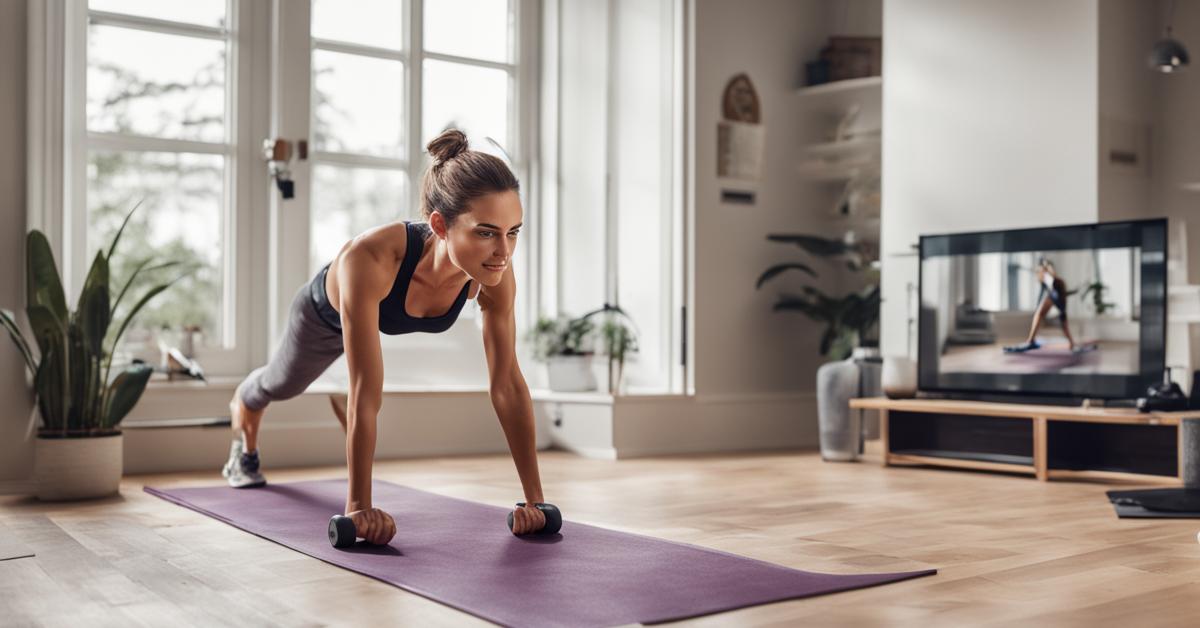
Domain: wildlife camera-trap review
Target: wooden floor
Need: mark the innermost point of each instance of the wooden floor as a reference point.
(1010, 550)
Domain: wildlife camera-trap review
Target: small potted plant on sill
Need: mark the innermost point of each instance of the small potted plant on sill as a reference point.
(618, 339)
(564, 344)
(78, 452)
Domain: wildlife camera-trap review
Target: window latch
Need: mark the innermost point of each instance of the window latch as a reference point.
(278, 154)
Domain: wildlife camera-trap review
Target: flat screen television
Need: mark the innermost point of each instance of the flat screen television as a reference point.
(1075, 311)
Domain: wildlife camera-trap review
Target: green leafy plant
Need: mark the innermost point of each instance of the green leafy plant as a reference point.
(575, 336)
(849, 320)
(1097, 289)
(75, 396)
(560, 336)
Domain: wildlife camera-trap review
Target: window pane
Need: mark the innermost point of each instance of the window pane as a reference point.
(180, 219)
(467, 97)
(177, 92)
(358, 104)
(468, 28)
(203, 12)
(376, 23)
(347, 201)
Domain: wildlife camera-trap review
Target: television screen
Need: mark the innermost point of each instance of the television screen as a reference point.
(1073, 311)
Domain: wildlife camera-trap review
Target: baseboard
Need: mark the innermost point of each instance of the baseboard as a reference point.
(17, 487)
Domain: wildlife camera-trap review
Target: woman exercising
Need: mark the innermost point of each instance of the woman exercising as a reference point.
(1053, 292)
(400, 278)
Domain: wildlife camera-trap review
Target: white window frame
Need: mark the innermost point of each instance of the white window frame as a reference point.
(267, 260)
(294, 119)
(59, 144)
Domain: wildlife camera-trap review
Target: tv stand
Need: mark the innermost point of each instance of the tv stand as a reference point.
(1045, 441)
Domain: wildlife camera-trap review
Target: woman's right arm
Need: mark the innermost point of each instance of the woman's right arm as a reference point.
(360, 289)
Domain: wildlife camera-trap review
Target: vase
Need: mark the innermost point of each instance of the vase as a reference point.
(82, 467)
(840, 428)
(1189, 449)
(870, 367)
(570, 373)
(899, 377)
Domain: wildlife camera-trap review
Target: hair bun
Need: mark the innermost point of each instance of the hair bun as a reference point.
(448, 145)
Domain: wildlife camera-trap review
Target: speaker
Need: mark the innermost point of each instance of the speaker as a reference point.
(1194, 392)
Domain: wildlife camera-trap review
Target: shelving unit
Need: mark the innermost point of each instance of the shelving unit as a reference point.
(840, 159)
(843, 87)
(1046, 442)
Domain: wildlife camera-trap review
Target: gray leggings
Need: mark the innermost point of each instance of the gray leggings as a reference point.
(307, 348)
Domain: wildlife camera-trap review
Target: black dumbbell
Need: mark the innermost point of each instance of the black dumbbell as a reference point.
(553, 518)
(341, 531)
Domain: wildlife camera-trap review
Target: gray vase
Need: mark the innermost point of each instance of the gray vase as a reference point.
(1189, 434)
(841, 429)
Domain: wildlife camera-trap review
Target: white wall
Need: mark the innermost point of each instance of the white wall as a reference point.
(16, 454)
(741, 345)
(1129, 97)
(1177, 137)
(990, 118)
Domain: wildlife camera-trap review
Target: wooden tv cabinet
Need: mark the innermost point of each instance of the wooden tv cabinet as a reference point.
(1043, 441)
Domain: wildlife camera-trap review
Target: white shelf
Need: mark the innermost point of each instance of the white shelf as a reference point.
(844, 147)
(834, 171)
(839, 87)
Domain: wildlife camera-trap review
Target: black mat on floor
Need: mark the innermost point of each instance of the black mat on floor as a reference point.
(1157, 503)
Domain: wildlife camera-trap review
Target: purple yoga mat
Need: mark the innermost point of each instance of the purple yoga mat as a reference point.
(460, 553)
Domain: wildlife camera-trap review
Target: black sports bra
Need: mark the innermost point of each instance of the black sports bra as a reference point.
(393, 320)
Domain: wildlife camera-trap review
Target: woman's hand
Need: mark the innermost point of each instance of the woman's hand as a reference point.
(528, 519)
(374, 525)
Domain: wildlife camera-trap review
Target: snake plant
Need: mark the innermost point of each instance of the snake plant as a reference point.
(75, 395)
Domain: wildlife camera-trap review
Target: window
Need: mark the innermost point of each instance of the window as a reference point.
(368, 142)
(156, 131)
(384, 78)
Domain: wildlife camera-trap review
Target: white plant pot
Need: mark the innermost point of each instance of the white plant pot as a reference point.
(78, 468)
(571, 373)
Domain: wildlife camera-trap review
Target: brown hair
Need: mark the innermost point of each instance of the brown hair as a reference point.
(458, 175)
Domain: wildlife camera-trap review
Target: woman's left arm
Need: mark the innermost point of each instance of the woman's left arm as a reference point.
(509, 393)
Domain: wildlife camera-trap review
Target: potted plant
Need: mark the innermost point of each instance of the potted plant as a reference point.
(850, 320)
(851, 323)
(619, 340)
(78, 453)
(564, 344)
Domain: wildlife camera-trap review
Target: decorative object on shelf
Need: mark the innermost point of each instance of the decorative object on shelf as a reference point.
(846, 58)
(78, 449)
(740, 135)
(1168, 54)
(899, 377)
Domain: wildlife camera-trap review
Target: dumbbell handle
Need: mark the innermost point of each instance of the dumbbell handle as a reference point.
(553, 518)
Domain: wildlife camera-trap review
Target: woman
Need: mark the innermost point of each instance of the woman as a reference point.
(1053, 292)
(402, 278)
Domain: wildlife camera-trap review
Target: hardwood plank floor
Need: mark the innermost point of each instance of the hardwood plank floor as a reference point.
(1009, 550)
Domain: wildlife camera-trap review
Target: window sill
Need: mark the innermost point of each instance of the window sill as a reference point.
(160, 384)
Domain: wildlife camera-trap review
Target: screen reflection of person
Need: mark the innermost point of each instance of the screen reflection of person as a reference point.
(1053, 293)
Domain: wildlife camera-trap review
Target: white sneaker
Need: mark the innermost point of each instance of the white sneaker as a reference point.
(242, 468)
